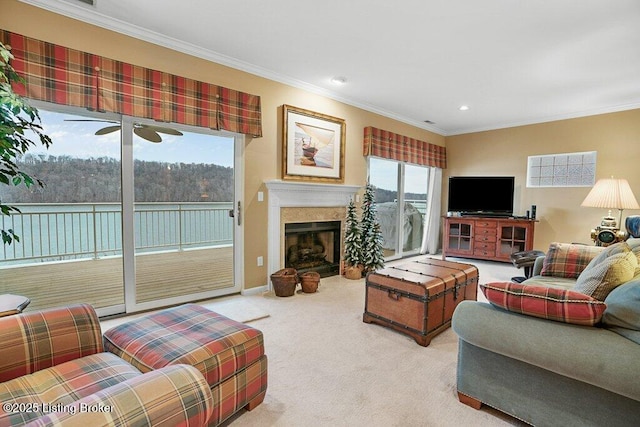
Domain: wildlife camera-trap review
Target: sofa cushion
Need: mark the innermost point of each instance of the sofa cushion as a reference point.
(622, 315)
(554, 282)
(568, 259)
(603, 274)
(545, 302)
(61, 385)
(40, 339)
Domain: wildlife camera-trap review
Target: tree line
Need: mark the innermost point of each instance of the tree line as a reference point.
(73, 180)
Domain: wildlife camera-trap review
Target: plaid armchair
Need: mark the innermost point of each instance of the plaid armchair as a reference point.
(54, 371)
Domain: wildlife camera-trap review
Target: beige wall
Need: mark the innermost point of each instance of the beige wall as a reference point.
(262, 155)
(615, 137)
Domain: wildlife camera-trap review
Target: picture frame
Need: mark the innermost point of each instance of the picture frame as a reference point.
(313, 146)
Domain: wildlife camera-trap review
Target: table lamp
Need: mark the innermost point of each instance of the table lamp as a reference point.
(610, 193)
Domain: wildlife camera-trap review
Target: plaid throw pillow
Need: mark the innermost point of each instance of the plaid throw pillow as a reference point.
(568, 259)
(545, 302)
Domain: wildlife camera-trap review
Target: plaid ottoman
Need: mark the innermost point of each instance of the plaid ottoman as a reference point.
(229, 354)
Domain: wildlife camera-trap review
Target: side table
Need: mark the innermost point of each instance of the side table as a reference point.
(12, 304)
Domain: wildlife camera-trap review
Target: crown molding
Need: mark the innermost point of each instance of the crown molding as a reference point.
(88, 14)
(567, 116)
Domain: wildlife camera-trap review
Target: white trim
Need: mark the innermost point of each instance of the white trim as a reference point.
(297, 194)
(238, 241)
(258, 290)
(88, 14)
(567, 116)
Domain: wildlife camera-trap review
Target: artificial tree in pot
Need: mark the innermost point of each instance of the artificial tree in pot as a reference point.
(20, 130)
(372, 255)
(352, 244)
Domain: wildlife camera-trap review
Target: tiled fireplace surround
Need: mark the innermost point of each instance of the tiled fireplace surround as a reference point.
(301, 202)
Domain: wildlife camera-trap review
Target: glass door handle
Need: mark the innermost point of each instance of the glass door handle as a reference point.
(232, 214)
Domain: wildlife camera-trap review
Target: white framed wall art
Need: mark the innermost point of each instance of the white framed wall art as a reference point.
(562, 170)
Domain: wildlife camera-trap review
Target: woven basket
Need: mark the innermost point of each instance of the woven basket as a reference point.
(285, 282)
(309, 281)
(353, 272)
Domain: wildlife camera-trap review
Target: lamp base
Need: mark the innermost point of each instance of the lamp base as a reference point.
(605, 236)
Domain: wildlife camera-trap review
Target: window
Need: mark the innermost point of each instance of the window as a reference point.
(401, 204)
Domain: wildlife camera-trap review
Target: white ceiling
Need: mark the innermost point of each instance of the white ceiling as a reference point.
(512, 62)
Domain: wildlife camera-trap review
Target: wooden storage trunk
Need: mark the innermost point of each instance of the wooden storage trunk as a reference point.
(418, 297)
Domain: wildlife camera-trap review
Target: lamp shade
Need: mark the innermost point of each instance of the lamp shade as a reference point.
(611, 193)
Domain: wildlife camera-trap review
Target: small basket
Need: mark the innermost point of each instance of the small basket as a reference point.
(353, 272)
(285, 282)
(309, 281)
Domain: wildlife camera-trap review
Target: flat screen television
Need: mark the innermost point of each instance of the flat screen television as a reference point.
(481, 195)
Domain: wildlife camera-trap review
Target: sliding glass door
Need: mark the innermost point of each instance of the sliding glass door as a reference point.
(70, 234)
(134, 214)
(401, 204)
(183, 193)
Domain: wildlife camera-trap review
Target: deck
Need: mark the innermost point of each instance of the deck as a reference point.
(100, 281)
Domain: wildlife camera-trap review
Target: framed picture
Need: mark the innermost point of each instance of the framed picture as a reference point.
(313, 146)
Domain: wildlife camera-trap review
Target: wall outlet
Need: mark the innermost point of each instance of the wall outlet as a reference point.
(260, 261)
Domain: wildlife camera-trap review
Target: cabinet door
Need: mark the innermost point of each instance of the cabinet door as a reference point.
(512, 238)
(459, 237)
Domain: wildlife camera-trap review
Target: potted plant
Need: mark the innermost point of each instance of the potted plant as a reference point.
(372, 255)
(352, 244)
(19, 122)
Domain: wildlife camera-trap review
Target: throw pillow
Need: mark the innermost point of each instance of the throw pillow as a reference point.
(549, 303)
(567, 259)
(602, 275)
(636, 250)
(623, 311)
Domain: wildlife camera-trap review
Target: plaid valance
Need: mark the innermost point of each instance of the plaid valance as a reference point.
(389, 145)
(70, 77)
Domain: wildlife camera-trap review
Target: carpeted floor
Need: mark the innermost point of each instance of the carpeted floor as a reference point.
(328, 368)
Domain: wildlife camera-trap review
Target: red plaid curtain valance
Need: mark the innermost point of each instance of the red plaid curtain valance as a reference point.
(389, 145)
(70, 77)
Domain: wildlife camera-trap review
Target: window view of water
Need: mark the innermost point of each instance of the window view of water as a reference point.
(171, 190)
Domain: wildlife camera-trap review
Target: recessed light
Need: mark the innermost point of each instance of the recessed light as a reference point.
(339, 81)
(463, 108)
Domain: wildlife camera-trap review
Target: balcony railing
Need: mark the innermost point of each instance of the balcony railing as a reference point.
(58, 232)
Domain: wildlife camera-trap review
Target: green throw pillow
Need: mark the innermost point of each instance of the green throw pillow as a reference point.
(603, 274)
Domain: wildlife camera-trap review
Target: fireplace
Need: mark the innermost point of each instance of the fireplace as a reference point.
(313, 246)
(296, 202)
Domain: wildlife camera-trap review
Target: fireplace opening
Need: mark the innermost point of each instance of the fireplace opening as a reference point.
(313, 246)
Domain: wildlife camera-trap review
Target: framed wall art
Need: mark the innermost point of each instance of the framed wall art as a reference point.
(562, 170)
(313, 146)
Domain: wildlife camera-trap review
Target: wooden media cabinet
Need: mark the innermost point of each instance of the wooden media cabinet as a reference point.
(488, 238)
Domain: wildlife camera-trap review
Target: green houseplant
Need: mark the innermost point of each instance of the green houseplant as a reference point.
(20, 130)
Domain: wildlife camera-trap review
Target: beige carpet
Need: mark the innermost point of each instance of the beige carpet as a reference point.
(328, 368)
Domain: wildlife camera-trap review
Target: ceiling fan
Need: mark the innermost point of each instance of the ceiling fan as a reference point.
(149, 132)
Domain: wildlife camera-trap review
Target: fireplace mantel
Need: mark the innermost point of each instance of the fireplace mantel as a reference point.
(298, 194)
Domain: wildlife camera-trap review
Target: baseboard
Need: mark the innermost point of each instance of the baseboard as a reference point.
(258, 290)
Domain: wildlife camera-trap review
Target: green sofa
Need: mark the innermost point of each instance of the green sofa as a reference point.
(551, 373)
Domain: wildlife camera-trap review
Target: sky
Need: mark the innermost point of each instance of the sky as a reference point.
(78, 139)
(384, 174)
